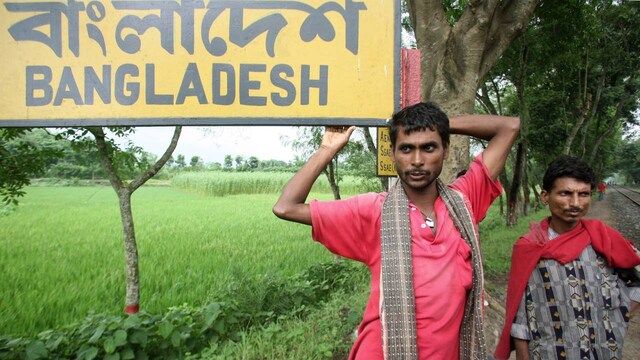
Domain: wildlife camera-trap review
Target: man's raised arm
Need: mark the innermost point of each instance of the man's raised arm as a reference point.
(500, 131)
(292, 204)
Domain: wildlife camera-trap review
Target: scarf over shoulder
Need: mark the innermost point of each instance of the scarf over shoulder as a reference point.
(535, 245)
(397, 299)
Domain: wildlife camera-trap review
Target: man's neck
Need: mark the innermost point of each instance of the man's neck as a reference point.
(425, 198)
(561, 228)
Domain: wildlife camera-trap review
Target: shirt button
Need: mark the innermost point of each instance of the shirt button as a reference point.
(423, 226)
(413, 209)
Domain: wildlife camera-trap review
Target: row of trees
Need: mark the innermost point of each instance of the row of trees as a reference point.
(576, 92)
(50, 154)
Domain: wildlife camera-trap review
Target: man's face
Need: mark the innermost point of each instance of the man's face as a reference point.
(418, 157)
(568, 201)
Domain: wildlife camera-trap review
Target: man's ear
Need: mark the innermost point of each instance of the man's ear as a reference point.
(446, 153)
(392, 154)
(544, 196)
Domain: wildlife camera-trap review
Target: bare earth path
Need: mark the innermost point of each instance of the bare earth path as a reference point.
(494, 313)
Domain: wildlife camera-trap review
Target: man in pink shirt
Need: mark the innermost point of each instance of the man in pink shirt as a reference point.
(419, 240)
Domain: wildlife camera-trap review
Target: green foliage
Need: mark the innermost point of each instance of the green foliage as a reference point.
(216, 183)
(327, 333)
(80, 157)
(6, 209)
(23, 155)
(185, 329)
(628, 161)
(580, 88)
(361, 164)
(454, 9)
(180, 162)
(497, 240)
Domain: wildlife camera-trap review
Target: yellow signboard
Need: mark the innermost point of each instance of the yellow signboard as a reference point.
(197, 62)
(385, 164)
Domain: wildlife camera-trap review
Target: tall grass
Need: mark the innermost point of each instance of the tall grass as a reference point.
(61, 251)
(220, 183)
(497, 239)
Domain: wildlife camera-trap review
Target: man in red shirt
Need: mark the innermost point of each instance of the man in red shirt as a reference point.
(601, 190)
(426, 298)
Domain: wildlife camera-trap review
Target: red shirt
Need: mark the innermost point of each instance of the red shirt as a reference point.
(441, 263)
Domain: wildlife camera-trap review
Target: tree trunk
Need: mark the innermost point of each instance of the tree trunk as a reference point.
(521, 153)
(330, 172)
(455, 59)
(132, 298)
(612, 126)
(512, 195)
(577, 126)
(124, 192)
(536, 196)
(582, 112)
(526, 193)
(506, 186)
(522, 157)
(592, 115)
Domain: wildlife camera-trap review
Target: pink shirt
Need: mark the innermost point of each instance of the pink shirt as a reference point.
(441, 263)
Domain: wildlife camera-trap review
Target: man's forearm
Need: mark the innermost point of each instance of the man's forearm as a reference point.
(522, 349)
(298, 188)
(501, 132)
(291, 203)
(484, 127)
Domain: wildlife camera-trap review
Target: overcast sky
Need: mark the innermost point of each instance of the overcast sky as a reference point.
(213, 143)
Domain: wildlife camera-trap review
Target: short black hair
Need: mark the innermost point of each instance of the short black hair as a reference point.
(566, 166)
(418, 117)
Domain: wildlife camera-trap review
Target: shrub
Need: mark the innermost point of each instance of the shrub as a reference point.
(184, 329)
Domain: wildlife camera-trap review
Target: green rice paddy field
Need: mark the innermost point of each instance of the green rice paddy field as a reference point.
(61, 251)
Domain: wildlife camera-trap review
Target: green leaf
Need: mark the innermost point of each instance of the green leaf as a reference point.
(36, 350)
(175, 339)
(120, 338)
(98, 333)
(211, 313)
(88, 353)
(53, 344)
(127, 354)
(139, 337)
(141, 355)
(109, 345)
(219, 326)
(114, 356)
(132, 321)
(165, 329)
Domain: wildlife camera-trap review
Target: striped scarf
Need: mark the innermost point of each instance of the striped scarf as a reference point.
(397, 299)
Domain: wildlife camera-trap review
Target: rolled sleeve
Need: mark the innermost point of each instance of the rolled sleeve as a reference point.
(477, 185)
(520, 327)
